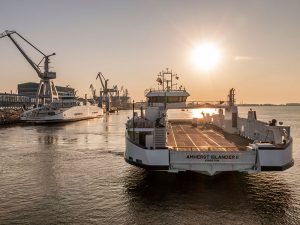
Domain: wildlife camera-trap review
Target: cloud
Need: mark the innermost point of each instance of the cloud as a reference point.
(245, 58)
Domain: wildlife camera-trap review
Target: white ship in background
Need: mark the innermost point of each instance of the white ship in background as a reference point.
(209, 145)
(58, 111)
(49, 108)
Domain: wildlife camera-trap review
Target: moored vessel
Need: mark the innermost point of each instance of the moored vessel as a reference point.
(209, 144)
(56, 112)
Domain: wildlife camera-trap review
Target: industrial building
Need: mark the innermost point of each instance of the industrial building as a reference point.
(29, 89)
(27, 95)
(8, 100)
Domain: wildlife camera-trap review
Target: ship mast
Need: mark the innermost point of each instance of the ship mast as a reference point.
(165, 78)
(231, 97)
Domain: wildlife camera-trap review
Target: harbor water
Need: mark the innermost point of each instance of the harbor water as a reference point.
(75, 173)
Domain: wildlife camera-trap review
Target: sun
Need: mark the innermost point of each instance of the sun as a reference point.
(206, 56)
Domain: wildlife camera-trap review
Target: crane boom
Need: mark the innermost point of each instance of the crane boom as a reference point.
(99, 76)
(34, 66)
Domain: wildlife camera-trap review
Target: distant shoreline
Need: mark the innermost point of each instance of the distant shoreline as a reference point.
(287, 104)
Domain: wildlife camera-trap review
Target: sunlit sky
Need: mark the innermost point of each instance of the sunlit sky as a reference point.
(130, 42)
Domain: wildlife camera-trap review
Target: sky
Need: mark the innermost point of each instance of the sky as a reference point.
(130, 42)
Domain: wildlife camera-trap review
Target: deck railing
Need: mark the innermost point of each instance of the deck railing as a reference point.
(209, 148)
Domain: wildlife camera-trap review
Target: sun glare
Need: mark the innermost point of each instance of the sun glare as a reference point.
(206, 56)
(198, 113)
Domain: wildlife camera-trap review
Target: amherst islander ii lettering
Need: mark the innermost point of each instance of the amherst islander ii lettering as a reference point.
(212, 157)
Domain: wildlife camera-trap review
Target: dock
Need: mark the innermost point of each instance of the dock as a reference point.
(9, 115)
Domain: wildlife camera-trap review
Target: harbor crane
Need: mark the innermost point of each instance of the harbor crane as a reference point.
(106, 92)
(93, 91)
(123, 97)
(46, 89)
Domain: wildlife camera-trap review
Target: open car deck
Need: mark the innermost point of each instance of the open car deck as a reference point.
(182, 136)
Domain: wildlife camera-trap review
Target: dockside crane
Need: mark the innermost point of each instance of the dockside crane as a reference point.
(93, 91)
(122, 97)
(46, 89)
(106, 92)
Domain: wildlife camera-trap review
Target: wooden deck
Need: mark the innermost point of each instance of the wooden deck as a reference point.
(185, 137)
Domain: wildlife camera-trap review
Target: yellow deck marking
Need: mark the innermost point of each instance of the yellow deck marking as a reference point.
(173, 136)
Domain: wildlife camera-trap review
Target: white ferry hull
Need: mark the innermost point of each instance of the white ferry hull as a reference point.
(276, 159)
(61, 115)
(209, 162)
(157, 159)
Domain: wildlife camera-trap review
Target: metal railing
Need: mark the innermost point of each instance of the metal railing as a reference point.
(209, 148)
(14, 101)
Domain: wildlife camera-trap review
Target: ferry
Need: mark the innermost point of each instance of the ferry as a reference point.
(212, 144)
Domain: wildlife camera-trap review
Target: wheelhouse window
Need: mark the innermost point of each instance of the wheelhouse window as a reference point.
(167, 99)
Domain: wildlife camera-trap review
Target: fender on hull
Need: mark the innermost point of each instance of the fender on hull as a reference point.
(278, 168)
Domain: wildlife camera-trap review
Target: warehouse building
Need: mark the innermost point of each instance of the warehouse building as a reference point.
(30, 89)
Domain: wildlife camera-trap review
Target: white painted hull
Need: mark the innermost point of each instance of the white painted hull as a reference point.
(210, 162)
(276, 159)
(155, 159)
(42, 115)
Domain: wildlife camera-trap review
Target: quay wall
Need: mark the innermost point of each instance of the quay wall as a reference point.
(10, 115)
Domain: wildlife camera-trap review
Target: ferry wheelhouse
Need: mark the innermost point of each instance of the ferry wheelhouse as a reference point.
(211, 144)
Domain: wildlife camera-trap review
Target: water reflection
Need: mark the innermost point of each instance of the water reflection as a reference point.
(48, 139)
(50, 134)
(190, 113)
(194, 198)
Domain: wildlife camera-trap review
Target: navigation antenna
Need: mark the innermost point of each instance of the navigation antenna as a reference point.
(165, 78)
(46, 89)
(231, 97)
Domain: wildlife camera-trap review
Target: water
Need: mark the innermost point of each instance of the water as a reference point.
(75, 174)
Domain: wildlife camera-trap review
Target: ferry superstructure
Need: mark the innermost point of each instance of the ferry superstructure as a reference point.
(209, 145)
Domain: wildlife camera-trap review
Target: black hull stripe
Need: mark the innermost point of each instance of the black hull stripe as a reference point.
(148, 167)
(278, 168)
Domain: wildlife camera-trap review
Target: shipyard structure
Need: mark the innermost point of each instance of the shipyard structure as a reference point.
(26, 96)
